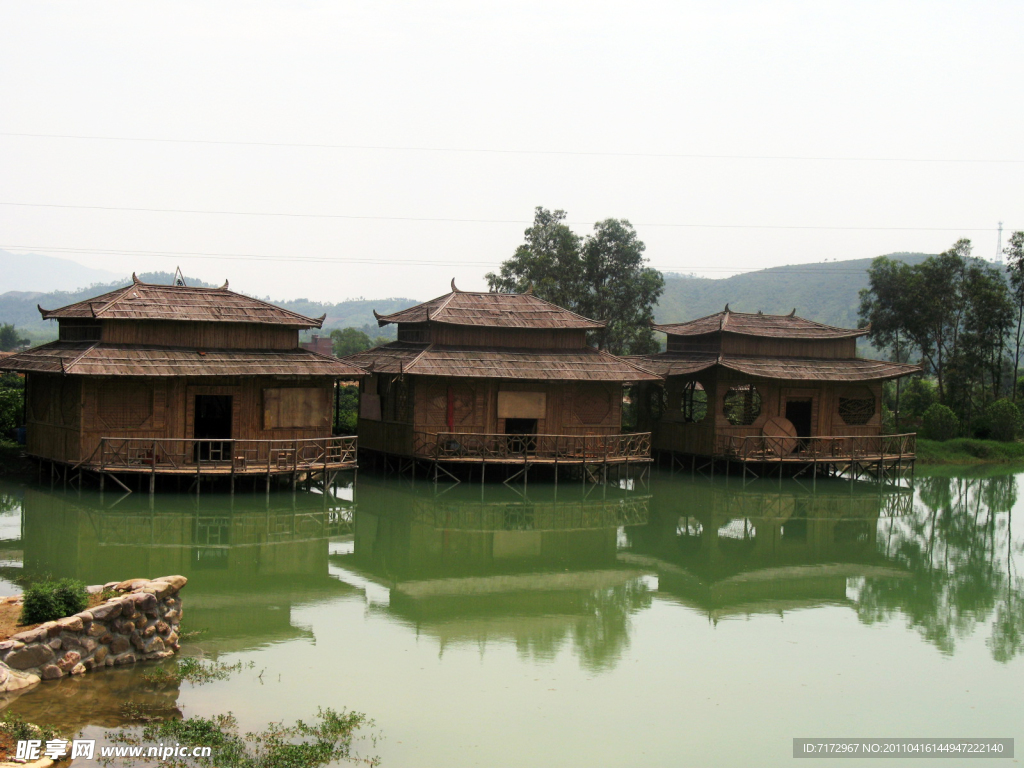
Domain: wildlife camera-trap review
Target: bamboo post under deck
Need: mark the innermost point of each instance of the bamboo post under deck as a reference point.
(269, 451)
(199, 467)
(152, 468)
(103, 462)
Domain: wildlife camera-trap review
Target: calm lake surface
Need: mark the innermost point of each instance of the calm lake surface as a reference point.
(688, 622)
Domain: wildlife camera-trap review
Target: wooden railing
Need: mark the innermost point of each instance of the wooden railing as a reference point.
(450, 446)
(819, 448)
(115, 454)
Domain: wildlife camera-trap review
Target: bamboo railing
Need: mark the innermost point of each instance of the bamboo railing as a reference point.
(478, 446)
(822, 448)
(237, 457)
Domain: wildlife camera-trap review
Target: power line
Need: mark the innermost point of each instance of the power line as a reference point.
(354, 217)
(495, 151)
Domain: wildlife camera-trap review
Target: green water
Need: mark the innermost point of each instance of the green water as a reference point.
(685, 623)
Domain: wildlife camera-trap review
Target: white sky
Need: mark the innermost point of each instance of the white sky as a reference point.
(915, 81)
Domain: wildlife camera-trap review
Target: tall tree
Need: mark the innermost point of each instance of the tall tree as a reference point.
(602, 276)
(885, 305)
(9, 338)
(1015, 267)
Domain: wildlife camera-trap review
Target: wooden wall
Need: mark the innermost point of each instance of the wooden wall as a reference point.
(672, 433)
(736, 344)
(53, 414)
(68, 415)
(172, 333)
(571, 408)
(527, 338)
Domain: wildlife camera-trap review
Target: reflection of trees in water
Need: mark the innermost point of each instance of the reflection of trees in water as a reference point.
(600, 634)
(603, 634)
(960, 550)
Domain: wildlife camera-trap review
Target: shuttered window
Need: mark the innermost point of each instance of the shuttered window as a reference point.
(296, 407)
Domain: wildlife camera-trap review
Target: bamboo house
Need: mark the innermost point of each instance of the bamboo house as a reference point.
(499, 378)
(177, 380)
(772, 389)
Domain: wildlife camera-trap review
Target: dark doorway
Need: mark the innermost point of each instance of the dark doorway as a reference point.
(521, 431)
(213, 422)
(799, 414)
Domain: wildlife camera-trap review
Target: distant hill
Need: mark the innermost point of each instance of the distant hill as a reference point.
(19, 307)
(35, 272)
(825, 292)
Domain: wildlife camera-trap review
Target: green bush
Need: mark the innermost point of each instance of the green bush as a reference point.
(939, 423)
(1002, 418)
(49, 600)
(916, 397)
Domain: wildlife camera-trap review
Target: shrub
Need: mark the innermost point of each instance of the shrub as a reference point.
(939, 423)
(916, 398)
(1003, 420)
(49, 600)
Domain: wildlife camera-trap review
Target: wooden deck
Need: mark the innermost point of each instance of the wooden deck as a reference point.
(855, 456)
(479, 448)
(205, 458)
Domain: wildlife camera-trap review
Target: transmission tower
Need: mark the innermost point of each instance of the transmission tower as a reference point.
(999, 245)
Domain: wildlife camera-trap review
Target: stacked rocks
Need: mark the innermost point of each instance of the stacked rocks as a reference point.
(141, 623)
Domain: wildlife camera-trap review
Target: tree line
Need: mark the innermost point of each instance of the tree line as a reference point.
(962, 320)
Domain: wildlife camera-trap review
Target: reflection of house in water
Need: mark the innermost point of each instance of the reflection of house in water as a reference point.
(503, 567)
(248, 561)
(765, 547)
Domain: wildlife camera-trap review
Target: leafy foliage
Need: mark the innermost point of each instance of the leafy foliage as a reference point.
(348, 341)
(1002, 419)
(951, 310)
(192, 670)
(601, 276)
(940, 423)
(348, 410)
(49, 600)
(10, 338)
(328, 740)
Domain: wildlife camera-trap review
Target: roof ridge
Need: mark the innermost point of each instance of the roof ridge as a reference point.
(112, 302)
(445, 303)
(67, 368)
(628, 362)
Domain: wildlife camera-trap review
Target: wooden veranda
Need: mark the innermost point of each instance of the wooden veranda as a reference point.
(592, 455)
(198, 459)
(883, 457)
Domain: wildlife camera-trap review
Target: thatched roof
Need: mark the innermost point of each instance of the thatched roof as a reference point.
(786, 368)
(500, 310)
(97, 359)
(757, 324)
(142, 301)
(586, 364)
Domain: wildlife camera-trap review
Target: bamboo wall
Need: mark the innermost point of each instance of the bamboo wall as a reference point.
(736, 344)
(67, 416)
(200, 335)
(706, 437)
(524, 338)
(571, 408)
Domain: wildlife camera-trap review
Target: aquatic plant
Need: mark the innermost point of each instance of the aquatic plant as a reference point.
(301, 745)
(17, 729)
(193, 670)
(49, 600)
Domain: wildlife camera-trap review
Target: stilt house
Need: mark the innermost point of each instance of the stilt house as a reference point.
(759, 387)
(496, 377)
(172, 379)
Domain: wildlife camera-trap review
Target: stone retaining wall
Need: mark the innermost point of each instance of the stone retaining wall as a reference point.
(139, 624)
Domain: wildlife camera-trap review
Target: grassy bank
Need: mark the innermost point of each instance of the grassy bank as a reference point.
(968, 451)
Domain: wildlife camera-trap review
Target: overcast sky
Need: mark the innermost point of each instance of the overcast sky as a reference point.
(734, 136)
